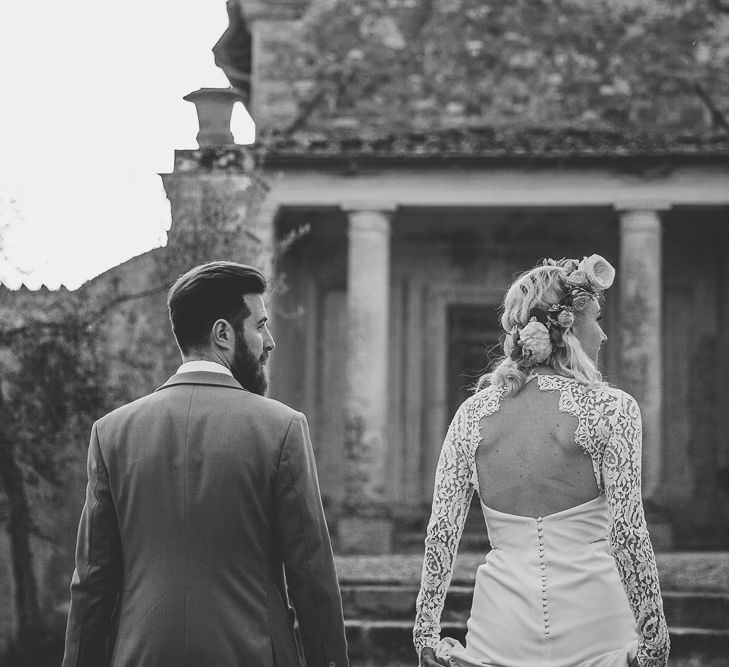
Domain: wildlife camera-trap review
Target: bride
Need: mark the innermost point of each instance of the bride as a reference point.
(554, 454)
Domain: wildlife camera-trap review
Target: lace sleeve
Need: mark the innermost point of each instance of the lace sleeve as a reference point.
(629, 538)
(451, 501)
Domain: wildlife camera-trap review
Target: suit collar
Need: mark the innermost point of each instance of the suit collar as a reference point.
(202, 377)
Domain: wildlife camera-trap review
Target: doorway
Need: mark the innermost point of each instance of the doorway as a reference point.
(473, 346)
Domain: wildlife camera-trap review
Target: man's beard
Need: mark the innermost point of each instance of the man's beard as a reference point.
(250, 372)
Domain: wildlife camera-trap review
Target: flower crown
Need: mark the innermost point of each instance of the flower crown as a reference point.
(534, 342)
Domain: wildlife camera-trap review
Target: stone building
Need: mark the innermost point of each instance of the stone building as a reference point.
(417, 220)
(416, 216)
(412, 200)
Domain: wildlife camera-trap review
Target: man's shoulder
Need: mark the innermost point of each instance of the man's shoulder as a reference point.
(270, 408)
(126, 410)
(228, 400)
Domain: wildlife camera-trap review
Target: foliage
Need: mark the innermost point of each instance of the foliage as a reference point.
(429, 63)
(51, 388)
(52, 384)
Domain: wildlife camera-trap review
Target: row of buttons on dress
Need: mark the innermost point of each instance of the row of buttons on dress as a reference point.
(543, 574)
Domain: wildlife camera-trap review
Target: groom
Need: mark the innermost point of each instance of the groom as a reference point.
(202, 508)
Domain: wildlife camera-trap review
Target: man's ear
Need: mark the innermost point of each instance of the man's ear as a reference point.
(222, 335)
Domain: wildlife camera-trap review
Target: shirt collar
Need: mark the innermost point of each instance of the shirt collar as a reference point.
(204, 365)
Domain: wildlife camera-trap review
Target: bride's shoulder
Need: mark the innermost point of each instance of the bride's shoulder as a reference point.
(612, 397)
(485, 394)
(486, 399)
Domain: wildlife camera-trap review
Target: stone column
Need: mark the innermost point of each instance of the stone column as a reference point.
(365, 526)
(641, 331)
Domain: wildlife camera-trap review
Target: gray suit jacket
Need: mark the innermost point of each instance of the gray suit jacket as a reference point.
(200, 496)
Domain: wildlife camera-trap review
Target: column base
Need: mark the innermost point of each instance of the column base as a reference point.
(364, 535)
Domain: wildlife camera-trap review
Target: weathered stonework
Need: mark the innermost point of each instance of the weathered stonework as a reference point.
(222, 187)
(641, 296)
(366, 403)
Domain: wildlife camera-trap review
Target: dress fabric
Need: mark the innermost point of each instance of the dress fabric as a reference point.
(577, 588)
(549, 593)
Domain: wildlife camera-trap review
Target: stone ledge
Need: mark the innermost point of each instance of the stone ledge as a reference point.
(391, 603)
(690, 572)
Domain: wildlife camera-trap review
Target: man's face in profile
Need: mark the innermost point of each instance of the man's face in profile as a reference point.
(253, 344)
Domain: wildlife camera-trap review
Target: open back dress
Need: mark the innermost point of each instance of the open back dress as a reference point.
(575, 588)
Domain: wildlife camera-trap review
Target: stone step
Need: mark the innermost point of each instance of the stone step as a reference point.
(709, 611)
(388, 602)
(686, 572)
(410, 542)
(389, 644)
(376, 602)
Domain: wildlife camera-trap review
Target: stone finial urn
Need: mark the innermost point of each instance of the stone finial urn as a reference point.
(214, 109)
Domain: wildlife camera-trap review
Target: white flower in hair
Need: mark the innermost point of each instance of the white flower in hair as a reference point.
(597, 270)
(535, 341)
(577, 278)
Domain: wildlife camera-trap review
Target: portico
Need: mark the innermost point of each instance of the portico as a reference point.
(404, 263)
(416, 226)
(396, 402)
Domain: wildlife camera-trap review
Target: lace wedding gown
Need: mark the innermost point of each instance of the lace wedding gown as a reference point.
(576, 588)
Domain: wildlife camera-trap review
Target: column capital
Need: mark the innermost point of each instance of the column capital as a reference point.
(364, 206)
(365, 219)
(652, 205)
(640, 221)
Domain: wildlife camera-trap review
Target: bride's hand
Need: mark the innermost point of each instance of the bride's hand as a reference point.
(633, 663)
(428, 659)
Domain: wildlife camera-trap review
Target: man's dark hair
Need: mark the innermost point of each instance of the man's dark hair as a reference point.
(207, 293)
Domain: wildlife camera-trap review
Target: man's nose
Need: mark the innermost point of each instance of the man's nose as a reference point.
(270, 344)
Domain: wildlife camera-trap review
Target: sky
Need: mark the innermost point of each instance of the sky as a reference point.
(91, 112)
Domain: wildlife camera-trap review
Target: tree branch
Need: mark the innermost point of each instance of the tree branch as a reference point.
(124, 298)
(8, 336)
(717, 117)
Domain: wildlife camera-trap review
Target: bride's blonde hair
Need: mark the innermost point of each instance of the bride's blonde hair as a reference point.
(538, 289)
